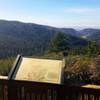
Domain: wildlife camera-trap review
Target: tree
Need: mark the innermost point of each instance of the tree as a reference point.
(59, 43)
(93, 49)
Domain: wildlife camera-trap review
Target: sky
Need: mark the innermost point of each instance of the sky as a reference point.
(58, 13)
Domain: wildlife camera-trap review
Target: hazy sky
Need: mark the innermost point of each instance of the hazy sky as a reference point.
(60, 13)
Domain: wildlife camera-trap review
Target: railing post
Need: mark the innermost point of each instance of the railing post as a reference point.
(12, 91)
(61, 93)
(10, 94)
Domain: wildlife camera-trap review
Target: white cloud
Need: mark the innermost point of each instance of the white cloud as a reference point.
(82, 10)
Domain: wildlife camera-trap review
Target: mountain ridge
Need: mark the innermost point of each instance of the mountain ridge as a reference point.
(78, 32)
(28, 38)
(31, 39)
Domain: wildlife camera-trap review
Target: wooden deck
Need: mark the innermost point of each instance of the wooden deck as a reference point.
(25, 90)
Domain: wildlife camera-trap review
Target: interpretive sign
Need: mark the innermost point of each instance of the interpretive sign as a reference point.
(39, 70)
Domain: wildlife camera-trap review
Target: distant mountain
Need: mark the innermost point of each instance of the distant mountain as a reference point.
(95, 37)
(30, 39)
(88, 31)
(70, 31)
(91, 34)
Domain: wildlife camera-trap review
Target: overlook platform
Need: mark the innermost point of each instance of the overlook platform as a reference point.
(27, 90)
(25, 82)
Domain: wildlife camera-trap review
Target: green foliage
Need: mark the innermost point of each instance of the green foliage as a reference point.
(82, 70)
(52, 55)
(5, 65)
(82, 62)
(93, 49)
(90, 50)
(59, 43)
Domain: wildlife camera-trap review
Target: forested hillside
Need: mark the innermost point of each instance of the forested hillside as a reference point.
(80, 48)
(30, 39)
(95, 37)
(82, 62)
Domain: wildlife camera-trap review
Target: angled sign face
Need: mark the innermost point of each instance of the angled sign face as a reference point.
(38, 70)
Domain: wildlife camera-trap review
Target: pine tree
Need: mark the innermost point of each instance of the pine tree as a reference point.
(59, 43)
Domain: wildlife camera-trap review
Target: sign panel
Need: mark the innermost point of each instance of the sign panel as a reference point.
(39, 70)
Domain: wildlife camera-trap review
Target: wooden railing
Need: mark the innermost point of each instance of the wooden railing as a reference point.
(24, 90)
(3, 89)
